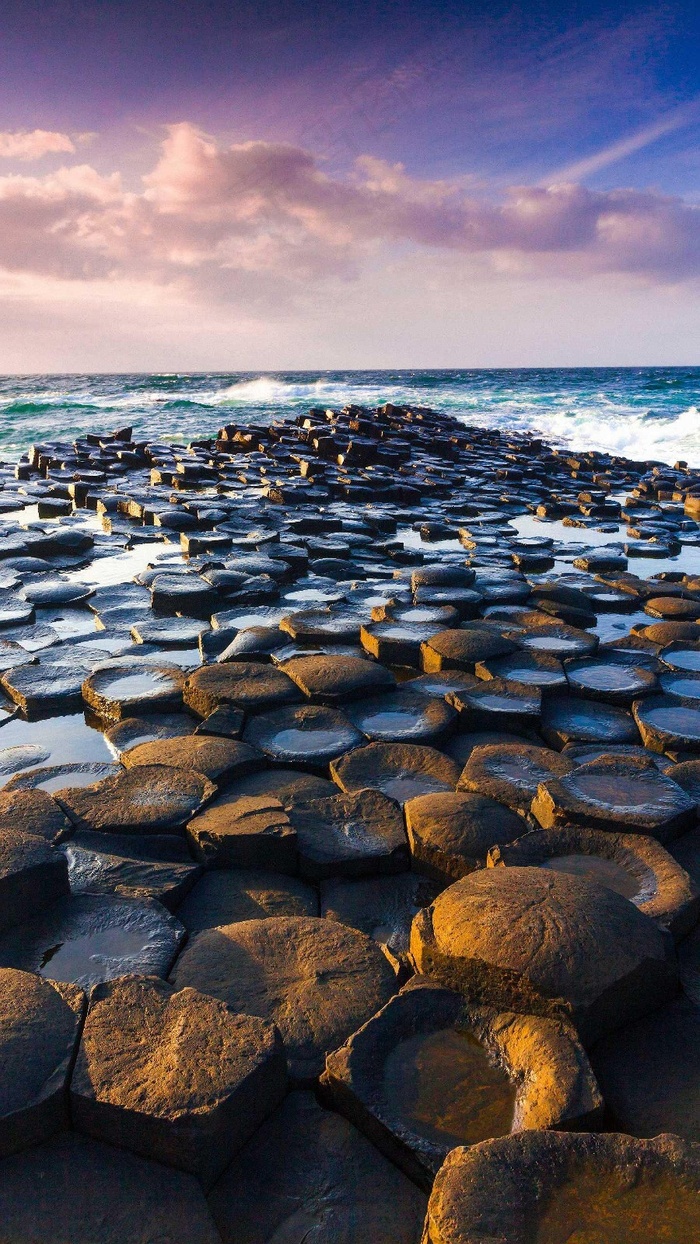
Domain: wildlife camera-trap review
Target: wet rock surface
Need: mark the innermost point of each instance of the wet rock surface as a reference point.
(333, 672)
(430, 1072)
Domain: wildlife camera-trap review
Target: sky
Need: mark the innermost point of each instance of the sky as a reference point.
(271, 186)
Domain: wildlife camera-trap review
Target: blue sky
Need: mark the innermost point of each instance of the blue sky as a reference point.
(348, 185)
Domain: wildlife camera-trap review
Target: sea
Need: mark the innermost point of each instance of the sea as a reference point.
(639, 412)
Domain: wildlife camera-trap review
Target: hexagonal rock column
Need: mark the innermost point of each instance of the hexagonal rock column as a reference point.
(336, 680)
(315, 979)
(634, 865)
(627, 794)
(555, 1187)
(33, 874)
(39, 1029)
(148, 799)
(451, 833)
(400, 770)
(220, 760)
(177, 1077)
(350, 836)
(539, 936)
(308, 1175)
(73, 1190)
(126, 690)
(249, 685)
(251, 831)
(430, 1071)
(511, 772)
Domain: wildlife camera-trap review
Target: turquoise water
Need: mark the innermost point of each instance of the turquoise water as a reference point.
(648, 412)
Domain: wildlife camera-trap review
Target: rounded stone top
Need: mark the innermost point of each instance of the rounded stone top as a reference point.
(562, 936)
(554, 1187)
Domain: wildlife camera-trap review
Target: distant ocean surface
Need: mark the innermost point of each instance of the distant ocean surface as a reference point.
(648, 412)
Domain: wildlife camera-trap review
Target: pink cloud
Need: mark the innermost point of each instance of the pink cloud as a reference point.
(31, 144)
(210, 218)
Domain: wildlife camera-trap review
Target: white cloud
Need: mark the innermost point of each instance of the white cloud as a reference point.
(32, 144)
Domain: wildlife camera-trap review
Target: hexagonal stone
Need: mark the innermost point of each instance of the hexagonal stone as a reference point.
(285, 784)
(627, 794)
(250, 831)
(397, 642)
(647, 1073)
(126, 691)
(399, 770)
(135, 730)
(450, 834)
(310, 734)
(147, 799)
(174, 1076)
(681, 656)
(336, 680)
(556, 640)
(634, 865)
(553, 1187)
(271, 1189)
(33, 874)
(673, 608)
(534, 669)
(220, 760)
(610, 681)
(39, 1030)
(568, 719)
(431, 1071)
(249, 685)
(381, 907)
(682, 685)
(352, 835)
(315, 979)
(402, 717)
(90, 938)
(33, 812)
(510, 773)
(72, 1190)
(226, 897)
(538, 934)
(497, 702)
(667, 725)
(314, 626)
(105, 872)
(44, 689)
(463, 649)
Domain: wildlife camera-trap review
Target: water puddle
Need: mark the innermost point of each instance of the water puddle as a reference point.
(445, 1088)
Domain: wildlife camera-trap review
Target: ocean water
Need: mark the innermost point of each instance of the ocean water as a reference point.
(647, 412)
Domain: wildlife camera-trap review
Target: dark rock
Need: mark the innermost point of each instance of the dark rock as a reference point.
(130, 689)
(39, 1030)
(430, 1071)
(336, 680)
(308, 1173)
(250, 686)
(72, 1190)
(251, 831)
(220, 760)
(311, 735)
(147, 799)
(567, 719)
(33, 874)
(226, 897)
(510, 773)
(554, 1186)
(351, 835)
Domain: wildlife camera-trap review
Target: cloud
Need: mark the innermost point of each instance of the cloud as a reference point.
(32, 144)
(263, 221)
